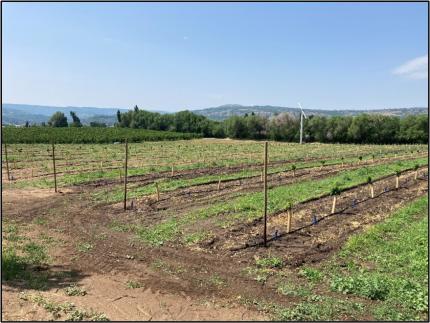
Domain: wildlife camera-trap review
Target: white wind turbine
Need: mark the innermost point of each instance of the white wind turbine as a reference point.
(302, 114)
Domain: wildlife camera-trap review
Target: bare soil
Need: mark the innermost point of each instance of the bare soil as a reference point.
(206, 282)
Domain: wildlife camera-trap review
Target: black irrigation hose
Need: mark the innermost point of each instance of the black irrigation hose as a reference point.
(324, 217)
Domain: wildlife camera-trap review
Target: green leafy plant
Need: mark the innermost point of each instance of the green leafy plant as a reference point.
(335, 191)
(74, 290)
(269, 262)
(131, 284)
(312, 274)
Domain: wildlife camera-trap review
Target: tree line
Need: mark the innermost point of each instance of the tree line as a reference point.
(360, 129)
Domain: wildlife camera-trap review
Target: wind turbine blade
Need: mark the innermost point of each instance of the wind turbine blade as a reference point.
(304, 114)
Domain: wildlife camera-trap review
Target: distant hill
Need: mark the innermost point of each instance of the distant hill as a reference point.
(225, 111)
(18, 114)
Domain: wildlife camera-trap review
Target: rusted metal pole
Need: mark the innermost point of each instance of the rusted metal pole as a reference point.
(265, 194)
(55, 170)
(125, 174)
(7, 162)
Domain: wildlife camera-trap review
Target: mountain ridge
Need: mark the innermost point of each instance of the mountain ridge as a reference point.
(227, 110)
(18, 114)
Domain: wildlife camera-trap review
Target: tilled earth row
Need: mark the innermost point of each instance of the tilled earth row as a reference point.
(189, 269)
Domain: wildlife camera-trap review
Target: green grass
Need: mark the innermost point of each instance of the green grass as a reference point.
(131, 284)
(292, 289)
(18, 261)
(196, 237)
(312, 274)
(166, 184)
(397, 251)
(59, 310)
(269, 262)
(248, 207)
(84, 247)
(380, 274)
(217, 281)
(144, 158)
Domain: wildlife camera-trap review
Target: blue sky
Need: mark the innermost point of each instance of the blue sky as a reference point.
(174, 56)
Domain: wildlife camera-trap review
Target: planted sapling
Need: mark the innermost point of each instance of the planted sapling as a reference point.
(416, 171)
(398, 173)
(289, 215)
(369, 181)
(335, 191)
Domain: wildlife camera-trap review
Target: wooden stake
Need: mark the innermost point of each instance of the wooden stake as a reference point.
(53, 163)
(125, 174)
(7, 162)
(371, 191)
(265, 194)
(334, 204)
(289, 220)
(158, 191)
(219, 184)
(397, 182)
(416, 174)
(172, 171)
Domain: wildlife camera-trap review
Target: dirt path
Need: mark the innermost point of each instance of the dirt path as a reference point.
(109, 295)
(105, 269)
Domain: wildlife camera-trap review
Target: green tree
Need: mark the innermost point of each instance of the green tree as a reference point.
(236, 127)
(76, 121)
(58, 119)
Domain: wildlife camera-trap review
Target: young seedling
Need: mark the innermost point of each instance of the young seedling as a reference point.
(293, 168)
(397, 178)
(289, 215)
(369, 181)
(373, 157)
(157, 191)
(416, 171)
(360, 158)
(322, 163)
(342, 159)
(335, 191)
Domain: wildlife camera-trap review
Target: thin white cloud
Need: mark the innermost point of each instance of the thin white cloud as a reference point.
(416, 68)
